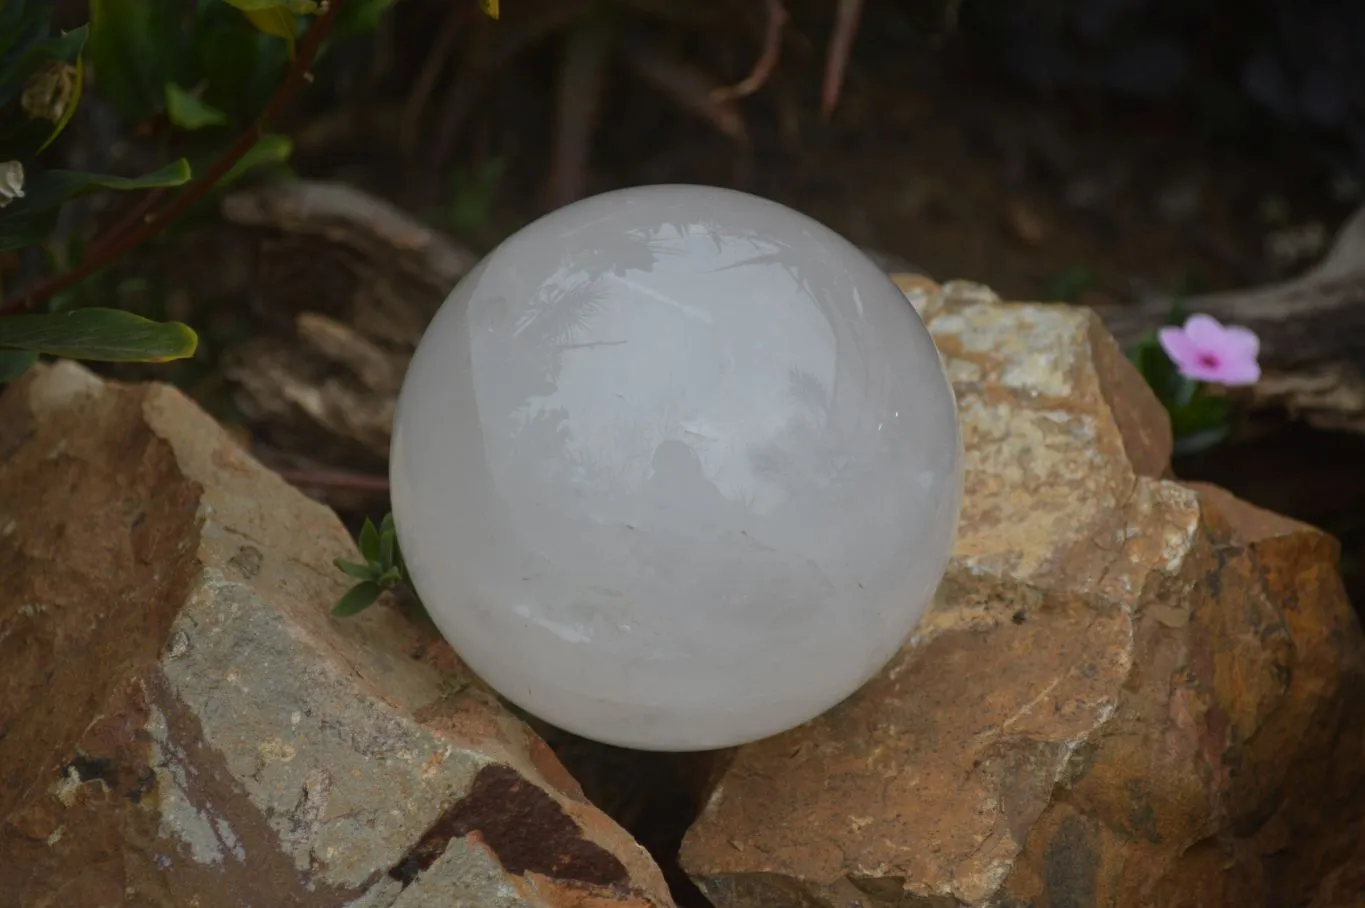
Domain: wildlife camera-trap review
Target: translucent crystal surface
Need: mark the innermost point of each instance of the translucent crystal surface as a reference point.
(676, 467)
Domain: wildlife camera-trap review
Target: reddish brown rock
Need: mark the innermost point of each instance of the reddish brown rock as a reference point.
(182, 722)
(1130, 693)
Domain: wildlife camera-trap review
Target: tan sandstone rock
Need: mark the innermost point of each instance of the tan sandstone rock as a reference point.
(183, 724)
(1130, 694)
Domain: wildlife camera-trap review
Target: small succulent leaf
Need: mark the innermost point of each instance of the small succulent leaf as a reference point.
(369, 541)
(390, 578)
(14, 363)
(108, 335)
(386, 525)
(386, 545)
(29, 219)
(188, 111)
(490, 8)
(353, 569)
(357, 599)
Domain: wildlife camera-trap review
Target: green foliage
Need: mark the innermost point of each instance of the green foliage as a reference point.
(1200, 417)
(187, 77)
(109, 335)
(188, 111)
(383, 568)
(29, 220)
(472, 196)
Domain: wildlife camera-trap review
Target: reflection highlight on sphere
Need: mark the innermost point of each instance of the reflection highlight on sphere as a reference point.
(676, 468)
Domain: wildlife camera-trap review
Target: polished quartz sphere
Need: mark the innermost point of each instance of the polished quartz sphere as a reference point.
(676, 468)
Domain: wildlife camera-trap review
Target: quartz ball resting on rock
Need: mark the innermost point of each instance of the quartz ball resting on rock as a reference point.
(676, 468)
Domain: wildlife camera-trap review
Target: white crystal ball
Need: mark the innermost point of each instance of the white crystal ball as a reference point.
(676, 468)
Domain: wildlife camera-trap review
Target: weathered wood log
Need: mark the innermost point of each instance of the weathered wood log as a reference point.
(343, 284)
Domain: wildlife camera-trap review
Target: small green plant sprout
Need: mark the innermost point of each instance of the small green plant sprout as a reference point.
(1185, 363)
(383, 568)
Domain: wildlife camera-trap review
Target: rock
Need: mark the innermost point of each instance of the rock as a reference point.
(183, 723)
(1131, 692)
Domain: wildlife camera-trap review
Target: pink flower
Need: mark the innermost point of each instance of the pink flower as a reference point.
(1206, 350)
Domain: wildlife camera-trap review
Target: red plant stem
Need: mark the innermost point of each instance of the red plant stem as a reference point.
(112, 247)
(846, 18)
(767, 60)
(135, 214)
(335, 479)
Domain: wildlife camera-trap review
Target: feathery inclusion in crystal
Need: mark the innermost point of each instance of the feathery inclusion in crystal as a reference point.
(676, 468)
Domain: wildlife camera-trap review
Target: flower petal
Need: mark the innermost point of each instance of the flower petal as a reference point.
(1205, 331)
(1241, 343)
(1203, 371)
(1178, 346)
(1238, 372)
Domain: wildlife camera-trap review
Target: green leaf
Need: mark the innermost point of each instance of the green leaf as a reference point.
(357, 599)
(298, 7)
(109, 335)
(369, 541)
(14, 363)
(21, 24)
(386, 525)
(1068, 286)
(237, 65)
(188, 111)
(1202, 413)
(1199, 441)
(360, 16)
(1156, 367)
(136, 47)
(272, 17)
(490, 7)
(269, 149)
(47, 76)
(16, 68)
(358, 571)
(29, 220)
(386, 543)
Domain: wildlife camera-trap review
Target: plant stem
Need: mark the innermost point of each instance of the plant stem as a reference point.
(128, 236)
(334, 479)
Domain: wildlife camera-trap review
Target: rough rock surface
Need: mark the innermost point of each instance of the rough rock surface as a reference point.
(1130, 692)
(183, 724)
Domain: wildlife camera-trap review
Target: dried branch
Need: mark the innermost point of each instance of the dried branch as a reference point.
(767, 60)
(110, 248)
(334, 479)
(582, 86)
(846, 20)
